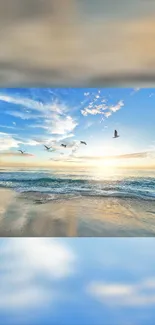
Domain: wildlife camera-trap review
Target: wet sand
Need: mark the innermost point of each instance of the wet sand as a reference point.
(27, 215)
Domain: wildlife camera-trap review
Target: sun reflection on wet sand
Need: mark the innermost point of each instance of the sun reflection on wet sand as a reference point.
(27, 216)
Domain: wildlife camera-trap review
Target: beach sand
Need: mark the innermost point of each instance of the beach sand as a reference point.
(27, 215)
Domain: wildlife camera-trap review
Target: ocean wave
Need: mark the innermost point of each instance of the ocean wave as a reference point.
(43, 197)
(39, 182)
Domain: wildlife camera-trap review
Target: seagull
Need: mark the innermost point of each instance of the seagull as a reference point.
(63, 145)
(47, 148)
(22, 152)
(83, 142)
(116, 134)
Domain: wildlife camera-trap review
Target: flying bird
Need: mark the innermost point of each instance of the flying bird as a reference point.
(83, 142)
(22, 152)
(116, 134)
(47, 148)
(63, 145)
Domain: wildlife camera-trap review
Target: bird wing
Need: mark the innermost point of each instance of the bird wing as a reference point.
(115, 133)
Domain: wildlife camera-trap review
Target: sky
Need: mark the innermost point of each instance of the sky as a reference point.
(77, 281)
(34, 117)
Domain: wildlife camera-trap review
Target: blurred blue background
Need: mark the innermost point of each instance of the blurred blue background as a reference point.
(77, 281)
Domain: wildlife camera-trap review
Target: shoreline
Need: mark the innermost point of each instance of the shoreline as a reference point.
(77, 217)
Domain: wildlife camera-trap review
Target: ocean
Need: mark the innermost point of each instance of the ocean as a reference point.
(123, 184)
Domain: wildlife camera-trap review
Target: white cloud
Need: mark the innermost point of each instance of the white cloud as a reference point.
(39, 126)
(86, 94)
(24, 260)
(51, 117)
(111, 290)
(7, 127)
(64, 137)
(32, 104)
(61, 125)
(31, 143)
(24, 115)
(118, 294)
(117, 107)
(11, 127)
(107, 114)
(94, 109)
(70, 150)
(7, 142)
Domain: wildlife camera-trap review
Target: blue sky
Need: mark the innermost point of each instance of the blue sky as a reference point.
(77, 281)
(32, 117)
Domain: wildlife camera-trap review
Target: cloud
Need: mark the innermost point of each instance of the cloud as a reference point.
(70, 150)
(86, 94)
(110, 290)
(7, 127)
(52, 117)
(107, 114)
(7, 142)
(62, 125)
(31, 104)
(75, 145)
(31, 143)
(10, 127)
(66, 136)
(16, 154)
(93, 109)
(124, 294)
(117, 107)
(98, 109)
(39, 126)
(26, 263)
(23, 115)
(145, 154)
